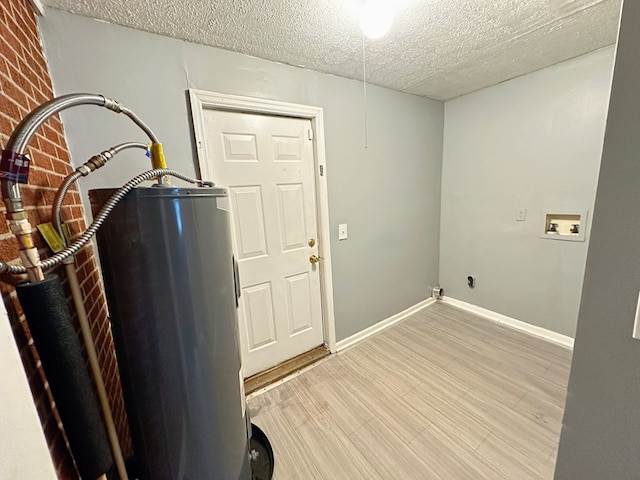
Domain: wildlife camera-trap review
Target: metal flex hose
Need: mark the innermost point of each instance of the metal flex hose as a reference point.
(99, 219)
(89, 166)
(14, 153)
(27, 128)
(106, 210)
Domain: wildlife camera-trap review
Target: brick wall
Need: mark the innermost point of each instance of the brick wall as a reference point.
(24, 84)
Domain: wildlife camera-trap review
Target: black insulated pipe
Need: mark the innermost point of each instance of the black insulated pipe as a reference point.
(54, 336)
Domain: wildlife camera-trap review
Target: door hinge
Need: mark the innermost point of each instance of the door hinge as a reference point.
(322, 170)
(310, 133)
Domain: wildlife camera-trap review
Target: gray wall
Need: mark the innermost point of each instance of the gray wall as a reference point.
(532, 142)
(389, 194)
(601, 427)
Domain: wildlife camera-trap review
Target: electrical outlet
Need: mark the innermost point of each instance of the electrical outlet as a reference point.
(521, 214)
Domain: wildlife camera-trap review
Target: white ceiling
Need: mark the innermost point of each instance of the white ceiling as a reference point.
(437, 48)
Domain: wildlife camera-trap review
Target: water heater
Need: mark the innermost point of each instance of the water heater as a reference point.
(172, 289)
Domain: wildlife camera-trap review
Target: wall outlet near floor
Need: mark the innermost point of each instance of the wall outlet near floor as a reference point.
(342, 231)
(521, 214)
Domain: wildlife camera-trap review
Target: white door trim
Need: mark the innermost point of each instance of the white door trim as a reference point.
(202, 100)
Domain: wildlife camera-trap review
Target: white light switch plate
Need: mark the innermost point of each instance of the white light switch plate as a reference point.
(342, 231)
(636, 322)
(521, 215)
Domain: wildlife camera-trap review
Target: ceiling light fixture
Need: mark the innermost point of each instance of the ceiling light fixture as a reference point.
(376, 18)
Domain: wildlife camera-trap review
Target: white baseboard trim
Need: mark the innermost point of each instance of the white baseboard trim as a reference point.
(382, 325)
(548, 335)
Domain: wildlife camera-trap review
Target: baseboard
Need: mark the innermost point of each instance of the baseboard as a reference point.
(382, 325)
(548, 335)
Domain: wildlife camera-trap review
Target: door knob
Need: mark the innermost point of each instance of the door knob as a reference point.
(314, 259)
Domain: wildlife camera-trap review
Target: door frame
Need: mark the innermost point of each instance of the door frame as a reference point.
(202, 100)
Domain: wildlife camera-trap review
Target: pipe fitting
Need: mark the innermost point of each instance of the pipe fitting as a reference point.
(85, 169)
(112, 104)
(17, 145)
(27, 128)
(20, 227)
(16, 215)
(96, 162)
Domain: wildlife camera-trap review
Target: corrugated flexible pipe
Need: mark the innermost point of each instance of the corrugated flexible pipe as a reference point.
(15, 148)
(89, 166)
(70, 268)
(101, 217)
(27, 128)
(19, 223)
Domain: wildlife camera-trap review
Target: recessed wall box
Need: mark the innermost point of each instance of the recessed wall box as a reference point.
(565, 225)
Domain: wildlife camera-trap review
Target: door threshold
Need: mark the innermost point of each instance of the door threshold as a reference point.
(284, 369)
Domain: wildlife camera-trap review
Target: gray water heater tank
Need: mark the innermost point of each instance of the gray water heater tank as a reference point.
(171, 289)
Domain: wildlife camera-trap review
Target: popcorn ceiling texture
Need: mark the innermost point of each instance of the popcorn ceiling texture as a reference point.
(436, 48)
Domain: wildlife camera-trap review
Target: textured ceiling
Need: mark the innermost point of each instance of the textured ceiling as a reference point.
(436, 48)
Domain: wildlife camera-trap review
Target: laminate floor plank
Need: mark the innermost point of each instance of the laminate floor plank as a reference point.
(534, 384)
(442, 395)
(389, 455)
(448, 463)
(510, 461)
(544, 413)
(558, 374)
(309, 473)
(486, 381)
(342, 405)
(432, 409)
(484, 469)
(509, 425)
(371, 362)
(290, 456)
(503, 337)
(413, 346)
(332, 452)
(384, 403)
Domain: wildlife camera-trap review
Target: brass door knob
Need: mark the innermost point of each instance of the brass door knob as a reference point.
(314, 259)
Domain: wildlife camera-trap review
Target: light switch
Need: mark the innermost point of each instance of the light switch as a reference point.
(521, 215)
(342, 231)
(636, 322)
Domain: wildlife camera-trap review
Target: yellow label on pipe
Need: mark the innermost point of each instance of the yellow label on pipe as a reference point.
(157, 156)
(51, 236)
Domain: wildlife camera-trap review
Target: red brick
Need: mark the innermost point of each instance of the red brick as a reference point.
(8, 51)
(13, 42)
(9, 108)
(54, 178)
(63, 155)
(38, 177)
(24, 83)
(8, 250)
(6, 124)
(61, 167)
(30, 196)
(47, 146)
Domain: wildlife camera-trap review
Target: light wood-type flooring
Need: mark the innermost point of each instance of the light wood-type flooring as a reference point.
(442, 395)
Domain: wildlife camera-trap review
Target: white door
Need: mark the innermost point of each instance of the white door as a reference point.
(267, 164)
